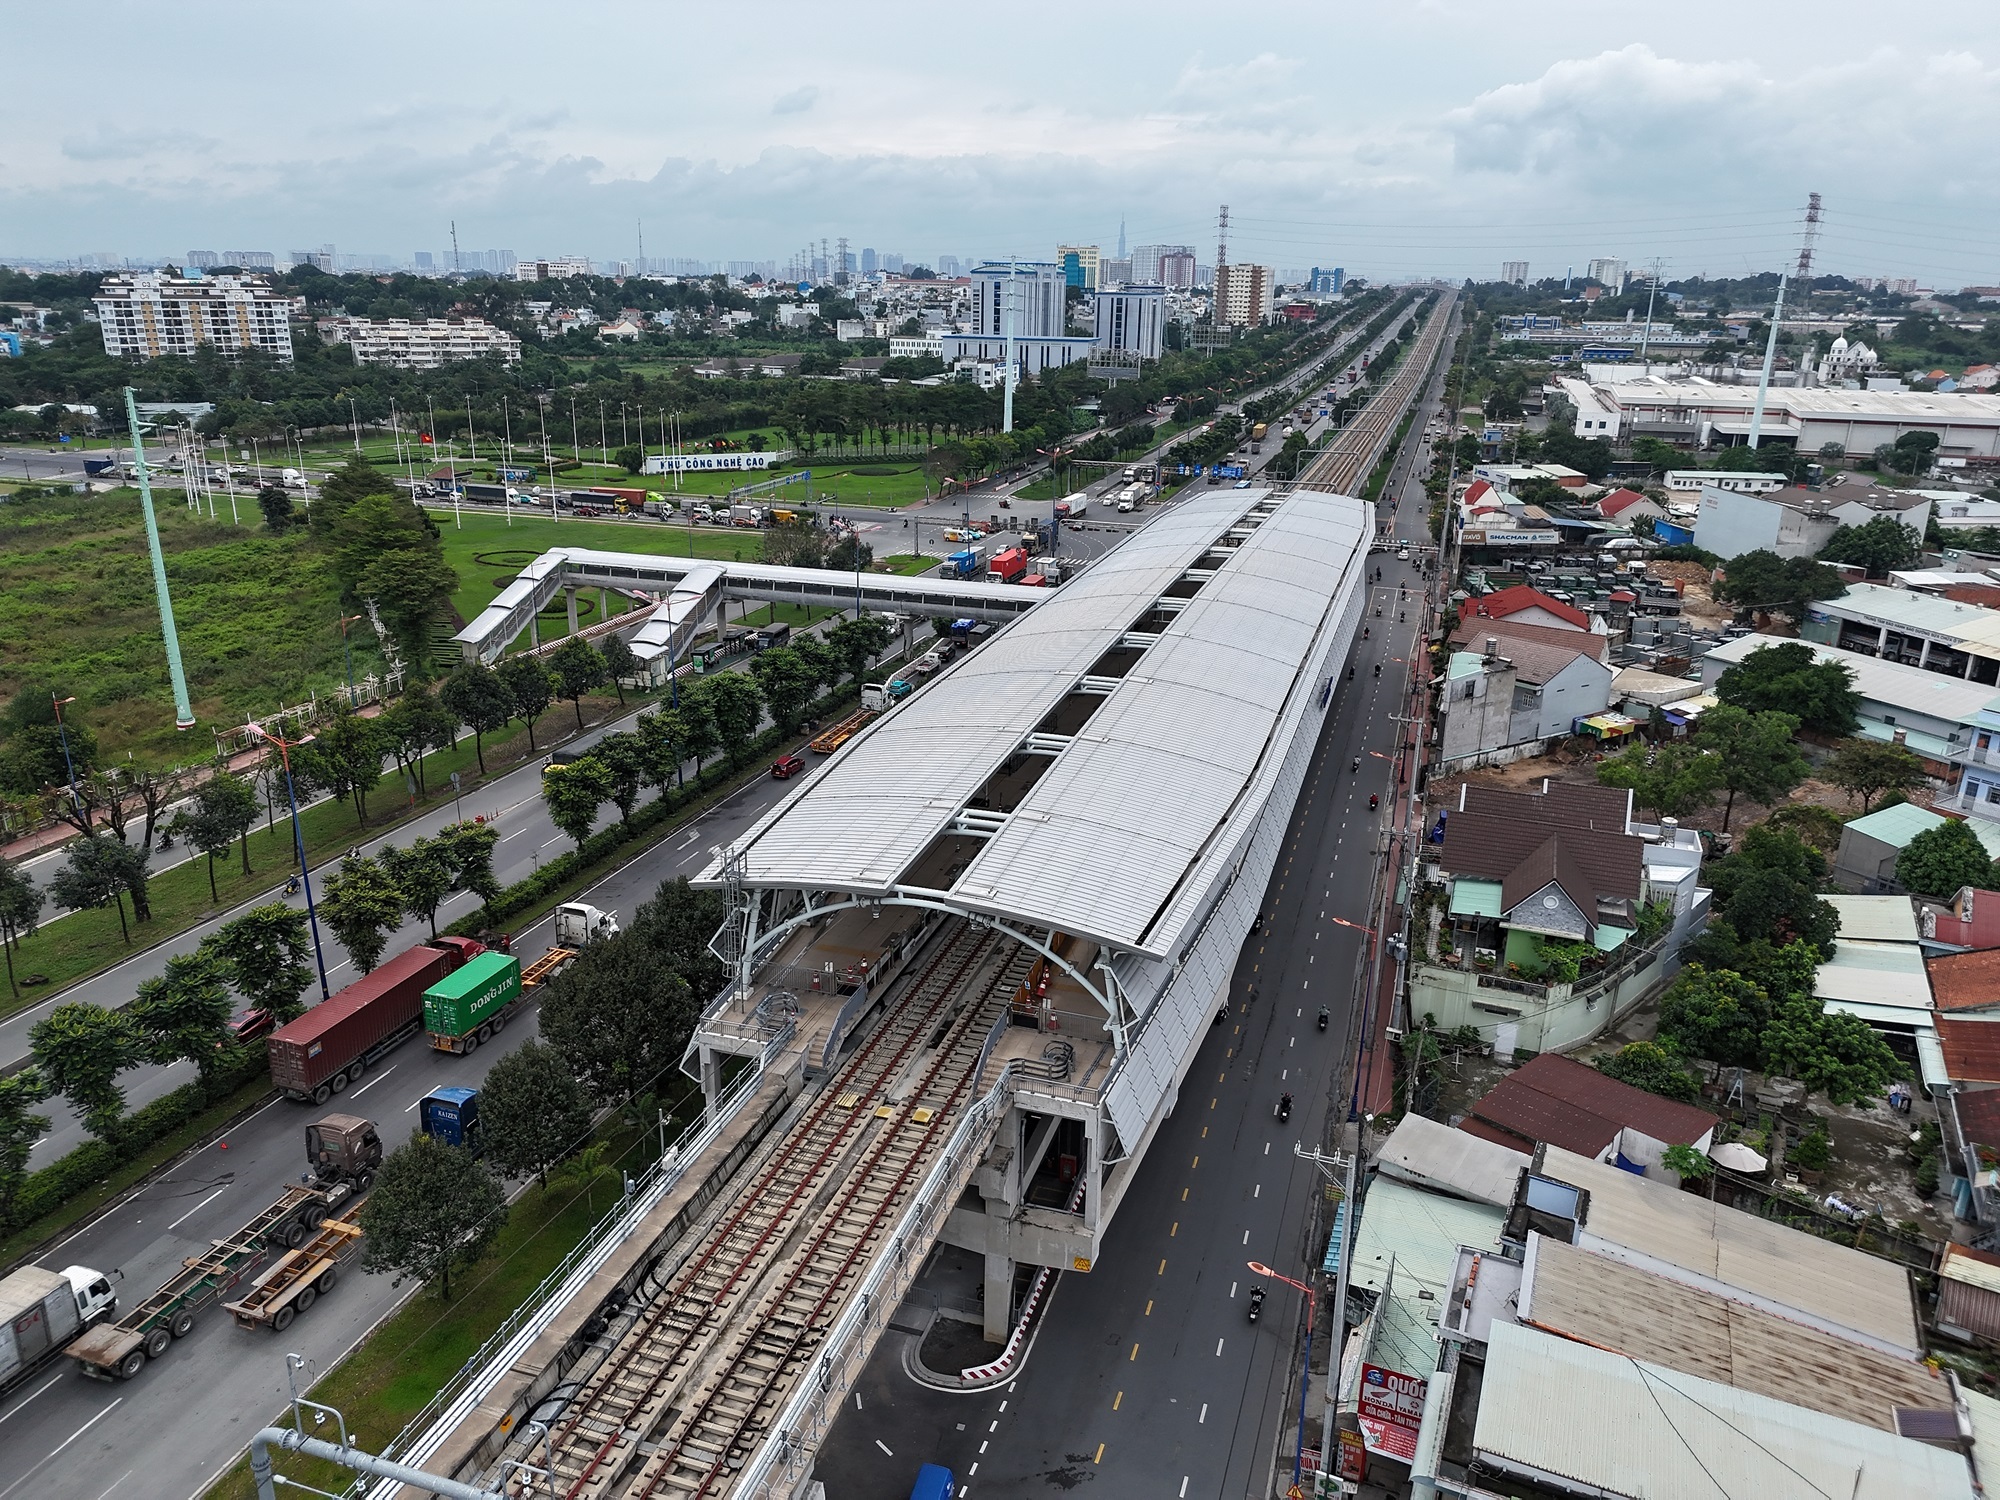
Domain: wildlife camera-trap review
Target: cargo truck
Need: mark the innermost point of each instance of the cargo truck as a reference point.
(472, 1002)
(452, 1116)
(959, 565)
(1008, 565)
(879, 695)
(577, 923)
(333, 1044)
(41, 1314)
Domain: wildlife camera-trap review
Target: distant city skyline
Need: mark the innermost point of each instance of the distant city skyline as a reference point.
(1436, 139)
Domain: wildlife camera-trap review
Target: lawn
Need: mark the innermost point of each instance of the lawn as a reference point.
(258, 618)
(488, 551)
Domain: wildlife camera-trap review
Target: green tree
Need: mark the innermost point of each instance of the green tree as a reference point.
(1719, 1016)
(663, 739)
(20, 1128)
(470, 846)
(1755, 753)
(1911, 453)
(31, 743)
(619, 1017)
(1673, 779)
(1790, 679)
(677, 925)
(532, 1110)
(344, 759)
(411, 588)
(1881, 546)
(787, 681)
(625, 762)
(1687, 1164)
(631, 458)
(422, 875)
(857, 642)
(1817, 826)
(730, 704)
(20, 907)
(92, 875)
(269, 957)
(1938, 861)
(481, 702)
(341, 489)
(531, 688)
(1649, 1066)
(620, 662)
(574, 792)
(434, 1209)
(415, 725)
(81, 1049)
(578, 668)
(215, 818)
(1865, 769)
(276, 504)
(1830, 1052)
(1764, 581)
(184, 1013)
(363, 905)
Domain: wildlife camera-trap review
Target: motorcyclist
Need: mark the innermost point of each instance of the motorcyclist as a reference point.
(1322, 1018)
(1356, 764)
(1284, 1106)
(1374, 799)
(1256, 1302)
(1378, 669)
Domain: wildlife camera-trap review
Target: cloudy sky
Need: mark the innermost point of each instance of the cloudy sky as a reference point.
(1417, 137)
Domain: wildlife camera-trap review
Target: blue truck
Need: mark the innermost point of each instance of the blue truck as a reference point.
(451, 1115)
(961, 565)
(934, 1482)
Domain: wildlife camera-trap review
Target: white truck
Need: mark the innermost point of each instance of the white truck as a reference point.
(43, 1311)
(577, 923)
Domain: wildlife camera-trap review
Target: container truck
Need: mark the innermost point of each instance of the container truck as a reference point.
(960, 565)
(472, 1002)
(41, 1314)
(451, 1115)
(577, 923)
(1007, 566)
(298, 1278)
(334, 1043)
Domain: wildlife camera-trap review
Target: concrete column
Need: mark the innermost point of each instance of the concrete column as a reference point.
(535, 629)
(1881, 638)
(711, 1080)
(1924, 655)
(603, 605)
(999, 1289)
(569, 598)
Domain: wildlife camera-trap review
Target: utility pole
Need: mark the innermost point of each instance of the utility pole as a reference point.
(183, 714)
(454, 247)
(1007, 322)
(1652, 291)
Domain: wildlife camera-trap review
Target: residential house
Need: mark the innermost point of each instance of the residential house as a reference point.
(1796, 522)
(1870, 846)
(1522, 605)
(1971, 919)
(1518, 692)
(1968, 1305)
(739, 366)
(1556, 1101)
(1558, 914)
(1472, 631)
(1627, 506)
(1425, 1154)
(624, 330)
(1966, 983)
(1876, 970)
(1938, 635)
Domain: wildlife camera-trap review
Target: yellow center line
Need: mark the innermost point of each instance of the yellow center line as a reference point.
(1163, 1269)
(1134, 1355)
(1211, 1104)
(1204, 1132)
(1197, 1161)
(1149, 1307)
(1100, 1454)
(1116, 1399)
(1184, 1193)
(1175, 1230)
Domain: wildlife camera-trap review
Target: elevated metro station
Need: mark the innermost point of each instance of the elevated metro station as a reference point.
(974, 953)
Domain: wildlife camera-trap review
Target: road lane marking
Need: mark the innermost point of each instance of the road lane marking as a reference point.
(982, 1445)
(62, 1445)
(199, 1206)
(1184, 1195)
(373, 1081)
(1184, 1478)
(1246, 1236)
(1133, 1357)
(1202, 1418)
(857, 1401)
(56, 1377)
(1197, 1161)
(514, 835)
(1218, 1348)
(1100, 1454)
(1267, 1148)
(1176, 1229)
(885, 1448)
(1115, 1400)
(1257, 1190)
(1161, 1272)
(1003, 1407)
(116, 1482)
(1148, 1313)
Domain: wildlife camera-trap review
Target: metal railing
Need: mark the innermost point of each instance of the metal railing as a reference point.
(424, 1433)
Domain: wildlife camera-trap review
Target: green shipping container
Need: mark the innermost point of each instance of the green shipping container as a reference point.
(468, 996)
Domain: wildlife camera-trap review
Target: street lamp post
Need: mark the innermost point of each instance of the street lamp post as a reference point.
(285, 748)
(69, 765)
(345, 621)
(1258, 1268)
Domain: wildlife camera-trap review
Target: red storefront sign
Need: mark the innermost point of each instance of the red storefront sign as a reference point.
(1392, 1409)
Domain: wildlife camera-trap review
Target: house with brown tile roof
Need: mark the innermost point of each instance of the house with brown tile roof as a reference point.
(1966, 981)
(1557, 1101)
(1472, 635)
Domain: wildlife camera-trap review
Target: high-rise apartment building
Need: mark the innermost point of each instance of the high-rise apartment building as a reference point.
(1326, 283)
(1034, 289)
(947, 265)
(1150, 265)
(420, 345)
(250, 260)
(322, 258)
(203, 260)
(1607, 272)
(892, 262)
(1079, 264)
(1514, 272)
(146, 315)
(1244, 295)
(1131, 319)
(869, 262)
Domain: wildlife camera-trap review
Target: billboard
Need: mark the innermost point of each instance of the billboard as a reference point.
(704, 463)
(1392, 1409)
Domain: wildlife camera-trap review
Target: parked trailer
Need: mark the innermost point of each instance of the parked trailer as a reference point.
(841, 733)
(42, 1312)
(298, 1278)
(472, 1002)
(330, 1046)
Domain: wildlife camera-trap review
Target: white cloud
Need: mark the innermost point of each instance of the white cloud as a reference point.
(797, 102)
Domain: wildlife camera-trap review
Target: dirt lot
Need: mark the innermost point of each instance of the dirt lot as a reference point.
(1697, 603)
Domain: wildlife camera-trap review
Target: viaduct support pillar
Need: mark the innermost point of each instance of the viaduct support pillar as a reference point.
(999, 1288)
(569, 599)
(711, 1080)
(535, 628)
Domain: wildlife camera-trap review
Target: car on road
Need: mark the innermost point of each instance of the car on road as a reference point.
(1242, 484)
(785, 767)
(250, 1023)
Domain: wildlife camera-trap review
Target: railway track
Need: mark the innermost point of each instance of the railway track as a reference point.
(1347, 460)
(713, 1347)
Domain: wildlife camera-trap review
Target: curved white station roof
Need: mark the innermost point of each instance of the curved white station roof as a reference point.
(1106, 842)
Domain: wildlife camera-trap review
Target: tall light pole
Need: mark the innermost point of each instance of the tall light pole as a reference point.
(1258, 1268)
(345, 621)
(285, 748)
(69, 765)
(183, 714)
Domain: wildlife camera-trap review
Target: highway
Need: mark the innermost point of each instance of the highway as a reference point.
(163, 1435)
(1146, 1378)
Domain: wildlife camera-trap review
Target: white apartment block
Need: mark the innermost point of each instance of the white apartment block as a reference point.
(1608, 272)
(422, 345)
(1514, 272)
(1149, 264)
(1033, 289)
(147, 315)
(552, 268)
(1244, 295)
(928, 345)
(1131, 319)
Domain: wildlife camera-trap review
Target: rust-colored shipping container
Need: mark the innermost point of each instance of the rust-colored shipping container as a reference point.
(331, 1045)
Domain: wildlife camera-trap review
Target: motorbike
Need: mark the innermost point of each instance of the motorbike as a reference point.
(1322, 1018)
(1374, 800)
(1256, 1302)
(1284, 1108)
(1222, 1015)
(1364, 632)
(1378, 669)
(292, 886)
(1355, 764)
(1350, 674)
(1378, 611)
(166, 842)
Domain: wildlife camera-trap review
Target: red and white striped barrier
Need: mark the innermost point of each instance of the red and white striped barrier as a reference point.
(1044, 1279)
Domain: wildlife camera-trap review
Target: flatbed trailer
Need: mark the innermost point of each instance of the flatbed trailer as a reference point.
(545, 968)
(841, 733)
(298, 1278)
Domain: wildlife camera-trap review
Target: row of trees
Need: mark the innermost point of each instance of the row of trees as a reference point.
(613, 1026)
(367, 899)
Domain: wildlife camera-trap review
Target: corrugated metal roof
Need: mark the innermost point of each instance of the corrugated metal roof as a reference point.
(1872, 973)
(1419, 1233)
(1629, 1428)
(1917, 689)
(1599, 1301)
(1962, 1263)
(1475, 898)
(1784, 1270)
(1423, 1151)
(1882, 919)
(1104, 843)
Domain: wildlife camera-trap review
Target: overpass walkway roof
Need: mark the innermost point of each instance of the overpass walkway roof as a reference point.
(1208, 616)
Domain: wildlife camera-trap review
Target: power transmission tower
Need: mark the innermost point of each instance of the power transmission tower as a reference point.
(1802, 275)
(454, 247)
(1222, 239)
